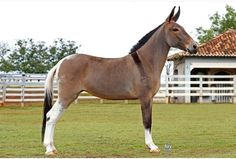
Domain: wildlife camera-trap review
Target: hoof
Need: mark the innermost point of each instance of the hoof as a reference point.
(51, 153)
(55, 151)
(157, 151)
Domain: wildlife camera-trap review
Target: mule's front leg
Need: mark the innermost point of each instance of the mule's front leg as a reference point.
(146, 106)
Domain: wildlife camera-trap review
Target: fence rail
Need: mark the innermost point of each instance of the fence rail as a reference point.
(22, 88)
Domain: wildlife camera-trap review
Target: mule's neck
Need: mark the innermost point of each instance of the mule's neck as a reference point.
(154, 53)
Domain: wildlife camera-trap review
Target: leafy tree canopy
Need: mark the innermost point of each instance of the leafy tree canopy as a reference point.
(219, 24)
(28, 56)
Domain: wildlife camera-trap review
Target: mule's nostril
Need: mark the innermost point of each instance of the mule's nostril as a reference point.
(192, 48)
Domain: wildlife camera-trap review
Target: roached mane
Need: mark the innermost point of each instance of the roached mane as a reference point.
(144, 39)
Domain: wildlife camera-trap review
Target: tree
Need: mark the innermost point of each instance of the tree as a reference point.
(29, 56)
(4, 51)
(60, 49)
(219, 24)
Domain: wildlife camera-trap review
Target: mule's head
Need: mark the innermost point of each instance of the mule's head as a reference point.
(176, 36)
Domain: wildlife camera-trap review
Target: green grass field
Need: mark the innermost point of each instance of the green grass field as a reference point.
(115, 130)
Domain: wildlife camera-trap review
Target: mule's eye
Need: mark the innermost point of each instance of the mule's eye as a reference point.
(175, 29)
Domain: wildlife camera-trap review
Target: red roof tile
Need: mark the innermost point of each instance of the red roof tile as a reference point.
(222, 45)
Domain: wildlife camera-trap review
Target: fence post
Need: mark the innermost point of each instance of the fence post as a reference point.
(167, 90)
(4, 92)
(187, 89)
(23, 91)
(234, 97)
(200, 91)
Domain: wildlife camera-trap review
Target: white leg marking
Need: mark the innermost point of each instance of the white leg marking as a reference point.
(52, 117)
(149, 141)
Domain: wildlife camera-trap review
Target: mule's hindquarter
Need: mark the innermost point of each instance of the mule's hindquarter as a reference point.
(108, 78)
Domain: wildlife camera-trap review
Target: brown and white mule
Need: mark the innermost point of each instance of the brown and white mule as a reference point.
(135, 76)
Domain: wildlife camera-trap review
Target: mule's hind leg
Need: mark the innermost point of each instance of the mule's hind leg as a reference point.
(52, 117)
(63, 102)
(146, 106)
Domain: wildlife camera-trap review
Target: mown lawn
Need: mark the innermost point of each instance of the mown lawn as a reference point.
(115, 130)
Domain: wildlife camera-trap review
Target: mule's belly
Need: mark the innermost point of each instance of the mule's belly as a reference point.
(113, 96)
(110, 85)
(111, 90)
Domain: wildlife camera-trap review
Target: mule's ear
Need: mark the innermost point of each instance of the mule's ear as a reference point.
(176, 16)
(168, 19)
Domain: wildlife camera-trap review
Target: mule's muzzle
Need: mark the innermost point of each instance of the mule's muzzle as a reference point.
(193, 48)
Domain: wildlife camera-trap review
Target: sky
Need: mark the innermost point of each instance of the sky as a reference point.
(106, 28)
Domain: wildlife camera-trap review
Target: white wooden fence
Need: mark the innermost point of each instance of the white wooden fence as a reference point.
(199, 88)
(18, 88)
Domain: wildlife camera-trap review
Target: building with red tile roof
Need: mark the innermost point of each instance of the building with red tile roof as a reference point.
(215, 57)
(221, 46)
